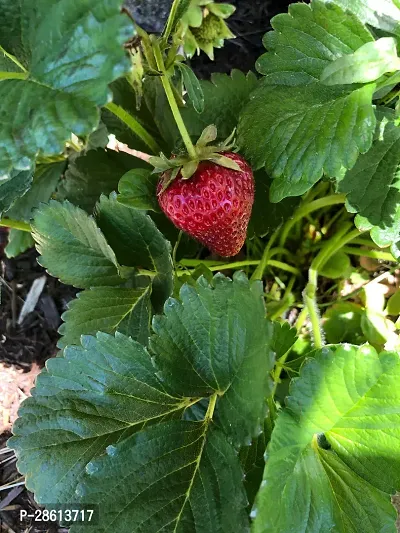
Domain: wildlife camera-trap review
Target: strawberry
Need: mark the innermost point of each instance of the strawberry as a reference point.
(213, 205)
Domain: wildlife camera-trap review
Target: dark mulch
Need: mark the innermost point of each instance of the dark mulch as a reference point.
(34, 340)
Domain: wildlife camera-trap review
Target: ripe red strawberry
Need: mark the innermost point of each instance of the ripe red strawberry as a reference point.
(213, 206)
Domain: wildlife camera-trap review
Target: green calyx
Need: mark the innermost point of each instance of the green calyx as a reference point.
(187, 166)
(204, 27)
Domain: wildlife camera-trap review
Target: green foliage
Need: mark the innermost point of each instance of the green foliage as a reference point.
(11, 188)
(210, 359)
(267, 216)
(368, 63)
(224, 98)
(384, 16)
(315, 129)
(108, 309)
(137, 189)
(137, 243)
(174, 403)
(118, 402)
(193, 87)
(18, 242)
(45, 180)
(372, 185)
(92, 174)
(342, 323)
(329, 458)
(393, 305)
(338, 266)
(73, 248)
(69, 52)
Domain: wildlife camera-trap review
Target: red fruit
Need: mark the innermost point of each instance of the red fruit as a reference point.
(213, 206)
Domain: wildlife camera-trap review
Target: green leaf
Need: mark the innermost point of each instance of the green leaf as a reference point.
(266, 216)
(216, 339)
(376, 328)
(137, 242)
(333, 460)
(102, 413)
(367, 64)
(86, 400)
(221, 10)
(337, 266)
(43, 186)
(137, 324)
(384, 15)
(137, 189)
(18, 242)
(72, 247)
(306, 40)
(104, 309)
(193, 87)
(181, 10)
(393, 305)
(372, 185)
(342, 323)
(252, 459)
(197, 481)
(92, 174)
(72, 51)
(283, 339)
(314, 130)
(224, 98)
(13, 188)
(124, 96)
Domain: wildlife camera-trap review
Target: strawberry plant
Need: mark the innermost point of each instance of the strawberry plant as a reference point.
(228, 364)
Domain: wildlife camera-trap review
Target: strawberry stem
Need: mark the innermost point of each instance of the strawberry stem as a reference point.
(15, 224)
(171, 20)
(172, 102)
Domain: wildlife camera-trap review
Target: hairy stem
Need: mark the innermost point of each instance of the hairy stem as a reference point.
(135, 126)
(331, 247)
(172, 102)
(15, 224)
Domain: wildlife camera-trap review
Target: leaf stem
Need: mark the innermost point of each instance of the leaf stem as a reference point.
(171, 20)
(172, 102)
(374, 254)
(13, 59)
(15, 224)
(215, 266)
(135, 126)
(310, 292)
(211, 407)
(13, 75)
(301, 319)
(308, 208)
(174, 251)
(259, 272)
